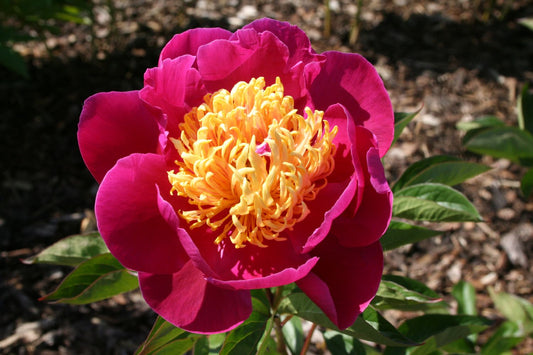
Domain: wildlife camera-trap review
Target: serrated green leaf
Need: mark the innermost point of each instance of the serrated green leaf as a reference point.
(525, 110)
(465, 295)
(441, 169)
(370, 325)
(245, 338)
(526, 184)
(507, 336)
(438, 330)
(71, 251)
(294, 335)
(503, 142)
(400, 233)
(401, 120)
(433, 202)
(162, 333)
(93, 280)
(397, 292)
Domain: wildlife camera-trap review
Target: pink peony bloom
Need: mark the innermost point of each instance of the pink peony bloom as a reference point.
(246, 161)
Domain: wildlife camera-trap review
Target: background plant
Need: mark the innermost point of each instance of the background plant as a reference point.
(25, 20)
(489, 135)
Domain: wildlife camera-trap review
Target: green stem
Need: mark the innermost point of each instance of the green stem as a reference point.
(282, 348)
(274, 323)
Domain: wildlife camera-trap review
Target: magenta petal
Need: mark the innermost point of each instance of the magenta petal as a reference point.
(344, 281)
(129, 219)
(294, 38)
(114, 125)
(168, 212)
(224, 63)
(335, 198)
(248, 268)
(186, 300)
(272, 278)
(174, 87)
(189, 41)
(368, 217)
(349, 79)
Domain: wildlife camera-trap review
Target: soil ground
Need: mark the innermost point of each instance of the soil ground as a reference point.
(456, 60)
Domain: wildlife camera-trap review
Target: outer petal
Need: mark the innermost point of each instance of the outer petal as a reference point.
(186, 300)
(246, 268)
(129, 219)
(352, 81)
(189, 41)
(114, 125)
(368, 217)
(344, 281)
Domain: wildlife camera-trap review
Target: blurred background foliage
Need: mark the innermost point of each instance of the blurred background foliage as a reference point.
(25, 20)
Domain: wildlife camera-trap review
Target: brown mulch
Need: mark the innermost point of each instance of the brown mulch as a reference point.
(450, 60)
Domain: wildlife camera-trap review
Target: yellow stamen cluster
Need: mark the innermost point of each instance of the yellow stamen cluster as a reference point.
(250, 161)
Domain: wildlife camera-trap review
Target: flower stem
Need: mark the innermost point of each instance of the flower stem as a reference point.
(307, 342)
(282, 348)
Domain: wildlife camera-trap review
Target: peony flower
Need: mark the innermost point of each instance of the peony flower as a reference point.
(246, 161)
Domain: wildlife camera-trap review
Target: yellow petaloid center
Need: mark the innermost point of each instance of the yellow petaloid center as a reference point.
(250, 162)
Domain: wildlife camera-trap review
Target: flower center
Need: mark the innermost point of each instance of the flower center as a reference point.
(249, 162)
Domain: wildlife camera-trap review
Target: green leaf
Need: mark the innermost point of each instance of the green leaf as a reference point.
(293, 335)
(201, 347)
(71, 250)
(396, 292)
(411, 284)
(479, 125)
(482, 122)
(461, 346)
(507, 336)
(526, 185)
(439, 169)
(465, 294)
(93, 280)
(433, 202)
(502, 142)
(401, 120)
(13, 61)
(515, 309)
(370, 325)
(165, 335)
(342, 344)
(400, 233)
(438, 330)
(245, 338)
(215, 342)
(525, 110)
